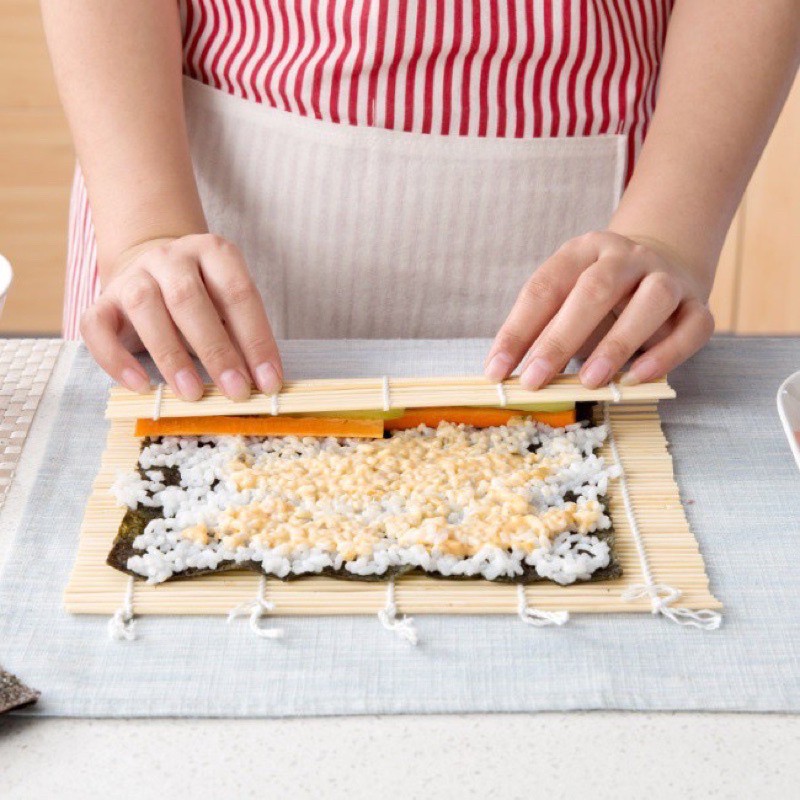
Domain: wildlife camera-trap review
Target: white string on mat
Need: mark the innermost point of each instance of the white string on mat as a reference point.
(615, 392)
(387, 398)
(275, 404)
(122, 626)
(661, 596)
(536, 616)
(157, 401)
(501, 393)
(402, 626)
(255, 609)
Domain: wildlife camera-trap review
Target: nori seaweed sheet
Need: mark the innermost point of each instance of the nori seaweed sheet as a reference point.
(135, 521)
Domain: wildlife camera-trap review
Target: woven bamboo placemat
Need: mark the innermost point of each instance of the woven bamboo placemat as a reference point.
(25, 367)
(671, 548)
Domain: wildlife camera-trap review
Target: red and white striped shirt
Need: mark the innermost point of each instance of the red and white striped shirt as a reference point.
(521, 68)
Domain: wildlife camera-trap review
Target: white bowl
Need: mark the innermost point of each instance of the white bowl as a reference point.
(789, 412)
(6, 274)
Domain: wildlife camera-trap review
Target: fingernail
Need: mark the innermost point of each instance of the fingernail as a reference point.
(498, 367)
(267, 378)
(135, 380)
(597, 372)
(641, 371)
(535, 375)
(235, 385)
(189, 386)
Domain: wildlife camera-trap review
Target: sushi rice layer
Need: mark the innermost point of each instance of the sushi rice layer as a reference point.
(453, 501)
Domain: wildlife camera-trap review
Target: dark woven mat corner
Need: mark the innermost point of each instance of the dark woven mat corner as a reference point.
(14, 693)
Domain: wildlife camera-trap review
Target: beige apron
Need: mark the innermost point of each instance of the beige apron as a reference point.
(359, 232)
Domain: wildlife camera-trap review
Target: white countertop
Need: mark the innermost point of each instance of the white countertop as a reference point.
(605, 754)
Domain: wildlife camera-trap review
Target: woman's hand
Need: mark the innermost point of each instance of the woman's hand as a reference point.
(166, 294)
(574, 298)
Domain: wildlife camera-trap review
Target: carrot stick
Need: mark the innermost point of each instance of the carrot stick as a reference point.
(329, 426)
(555, 419)
(479, 417)
(260, 426)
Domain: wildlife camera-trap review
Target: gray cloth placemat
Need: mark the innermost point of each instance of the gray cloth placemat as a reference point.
(743, 498)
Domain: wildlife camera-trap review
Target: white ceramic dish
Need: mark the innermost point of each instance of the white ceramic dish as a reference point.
(6, 274)
(789, 412)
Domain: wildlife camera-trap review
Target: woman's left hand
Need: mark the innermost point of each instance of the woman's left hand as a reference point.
(631, 294)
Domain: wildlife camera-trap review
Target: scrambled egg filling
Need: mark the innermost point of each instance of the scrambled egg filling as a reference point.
(454, 491)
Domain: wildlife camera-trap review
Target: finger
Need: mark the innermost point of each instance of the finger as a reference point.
(596, 292)
(198, 320)
(693, 328)
(540, 298)
(596, 336)
(664, 330)
(236, 296)
(142, 302)
(657, 297)
(100, 328)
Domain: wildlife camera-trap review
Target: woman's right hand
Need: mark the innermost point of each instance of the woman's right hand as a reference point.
(170, 296)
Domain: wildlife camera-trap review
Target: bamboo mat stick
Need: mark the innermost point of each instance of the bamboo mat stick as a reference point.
(674, 555)
(368, 394)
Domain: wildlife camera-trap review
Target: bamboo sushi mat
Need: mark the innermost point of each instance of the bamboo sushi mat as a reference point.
(25, 367)
(671, 548)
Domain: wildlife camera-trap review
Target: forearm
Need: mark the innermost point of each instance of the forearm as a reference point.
(727, 69)
(118, 68)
